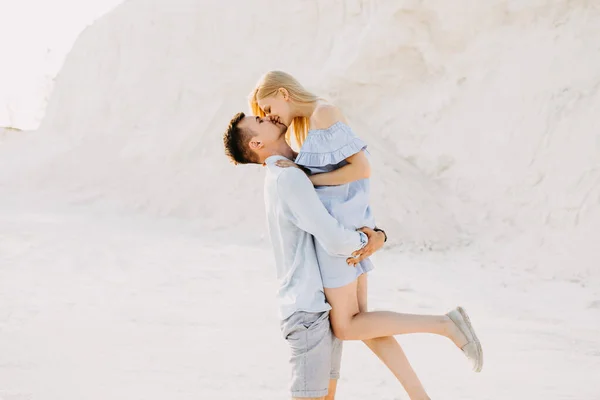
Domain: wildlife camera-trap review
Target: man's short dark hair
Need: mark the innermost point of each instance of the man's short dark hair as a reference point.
(237, 142)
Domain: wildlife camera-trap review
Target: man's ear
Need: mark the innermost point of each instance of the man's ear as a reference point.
(284, 93)
(255, 144)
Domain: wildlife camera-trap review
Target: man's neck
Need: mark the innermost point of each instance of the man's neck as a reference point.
(284, 150)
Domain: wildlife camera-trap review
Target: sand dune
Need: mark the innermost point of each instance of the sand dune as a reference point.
(481, 122)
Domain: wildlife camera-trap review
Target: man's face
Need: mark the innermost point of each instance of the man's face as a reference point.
(265, 133)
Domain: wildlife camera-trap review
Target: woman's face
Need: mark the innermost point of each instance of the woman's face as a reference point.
(277, 105)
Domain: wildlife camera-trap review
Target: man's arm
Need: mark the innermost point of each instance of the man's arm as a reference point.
(377, 237)
(310, 215)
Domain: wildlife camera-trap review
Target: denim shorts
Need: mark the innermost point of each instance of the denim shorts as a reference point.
(315, 353)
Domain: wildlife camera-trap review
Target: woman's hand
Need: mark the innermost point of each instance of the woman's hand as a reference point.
(286, 164)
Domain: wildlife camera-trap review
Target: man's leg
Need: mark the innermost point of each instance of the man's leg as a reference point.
(390, 353)
(309, 398)
(332, 389)
(310, 339)
(337, 347)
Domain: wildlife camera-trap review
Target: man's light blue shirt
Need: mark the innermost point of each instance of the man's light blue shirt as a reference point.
(294, 215)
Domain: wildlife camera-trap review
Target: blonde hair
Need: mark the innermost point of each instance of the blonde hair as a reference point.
(268, 85)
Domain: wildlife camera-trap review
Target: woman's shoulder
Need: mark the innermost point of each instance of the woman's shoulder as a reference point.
(325, 116)
(330, 140)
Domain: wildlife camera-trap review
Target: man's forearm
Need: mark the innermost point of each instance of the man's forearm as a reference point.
(311, 216)
(341, 245)
(377, 229)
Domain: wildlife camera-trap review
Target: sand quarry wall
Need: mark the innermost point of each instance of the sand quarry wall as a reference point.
(482, 116)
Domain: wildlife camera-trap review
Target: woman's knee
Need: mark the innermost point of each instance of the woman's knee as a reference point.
(342, 331)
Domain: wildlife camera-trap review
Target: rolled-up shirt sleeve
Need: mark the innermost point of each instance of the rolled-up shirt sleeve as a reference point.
(309, 214)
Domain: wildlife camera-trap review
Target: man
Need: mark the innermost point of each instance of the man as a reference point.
(295, 214)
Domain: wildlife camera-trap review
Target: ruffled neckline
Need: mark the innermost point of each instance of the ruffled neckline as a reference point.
(329, 146)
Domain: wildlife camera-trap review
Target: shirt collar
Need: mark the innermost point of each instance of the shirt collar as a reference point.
(272, 159)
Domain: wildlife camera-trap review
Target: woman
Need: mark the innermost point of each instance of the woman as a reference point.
(338, 165)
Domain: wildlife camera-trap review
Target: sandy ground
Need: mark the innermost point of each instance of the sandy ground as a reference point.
(94, 305)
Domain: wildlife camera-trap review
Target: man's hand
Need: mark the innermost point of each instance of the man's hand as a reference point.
(376, 240)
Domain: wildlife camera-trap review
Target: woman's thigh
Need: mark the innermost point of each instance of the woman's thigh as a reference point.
(344, 305)
(362, 293)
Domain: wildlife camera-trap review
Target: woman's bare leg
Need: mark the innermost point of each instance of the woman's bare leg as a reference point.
(350, 324)
(390, 353)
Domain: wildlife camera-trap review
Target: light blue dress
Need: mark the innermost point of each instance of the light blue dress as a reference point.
(325, 150)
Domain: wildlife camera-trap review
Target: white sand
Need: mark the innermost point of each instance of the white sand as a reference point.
(133, 257)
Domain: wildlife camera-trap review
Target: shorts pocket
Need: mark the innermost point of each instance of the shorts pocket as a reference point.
(313, 321)
(303, 322)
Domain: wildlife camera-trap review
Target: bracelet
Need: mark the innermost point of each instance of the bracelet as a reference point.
(384, 234)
